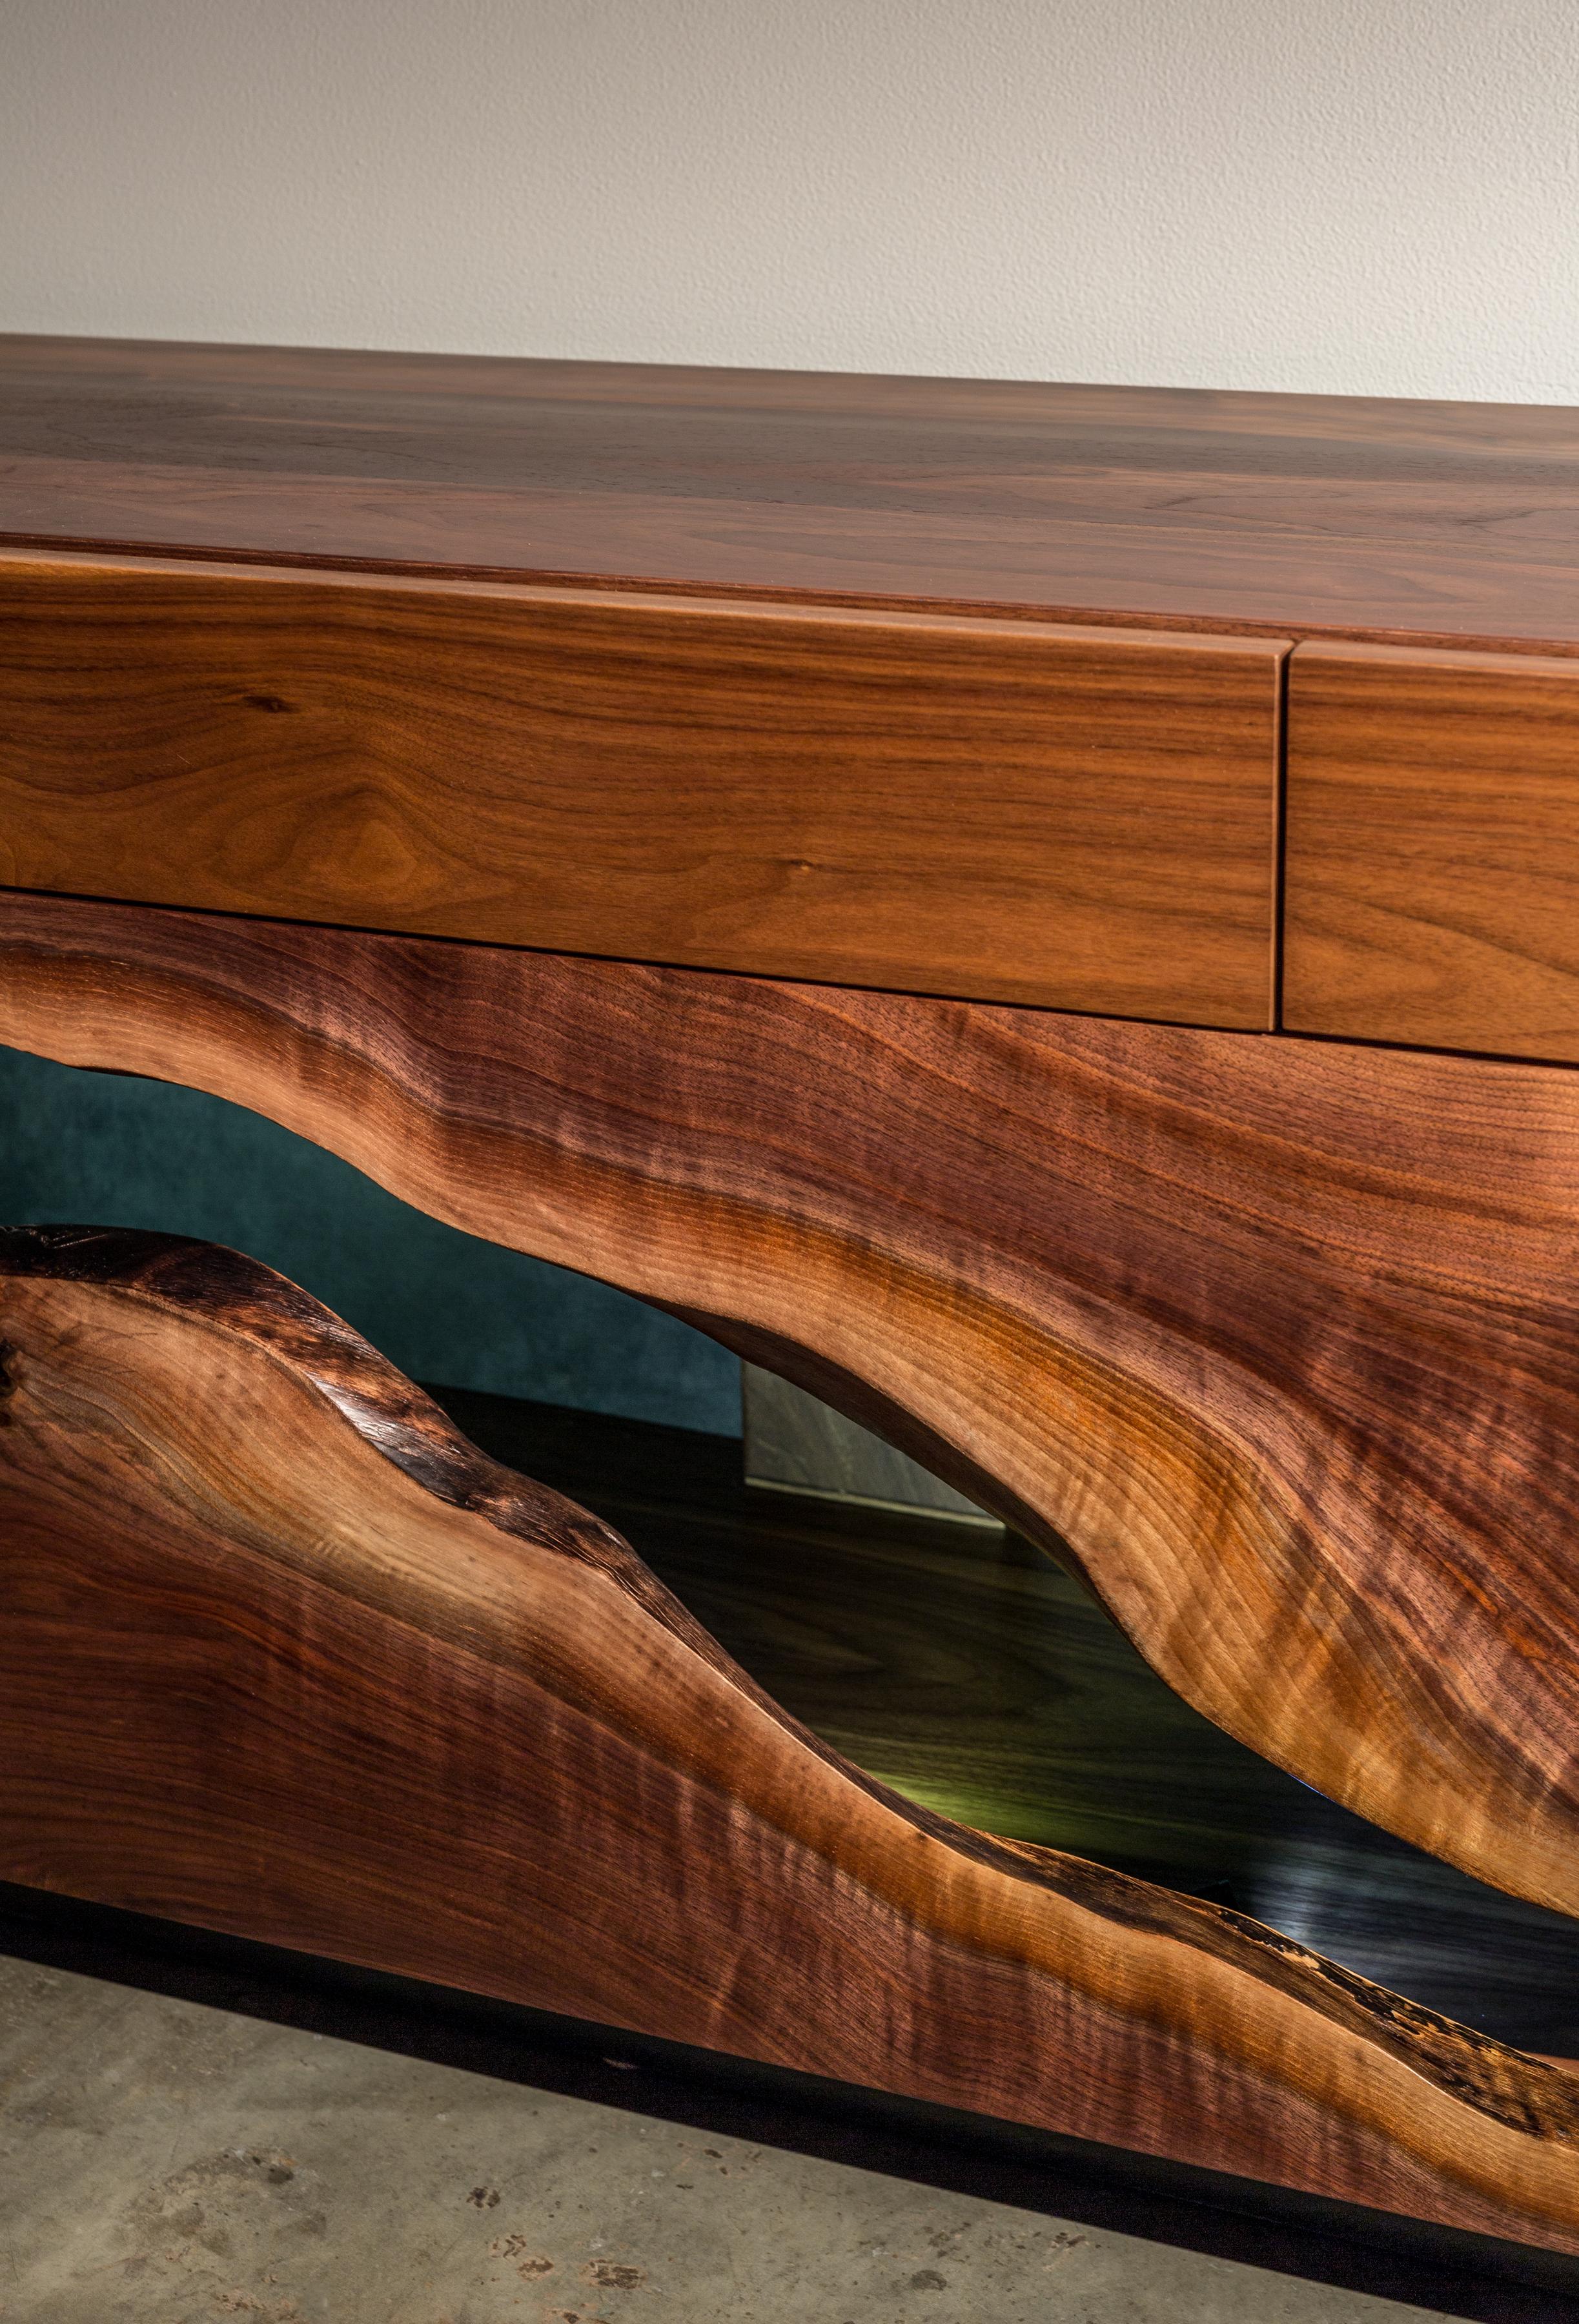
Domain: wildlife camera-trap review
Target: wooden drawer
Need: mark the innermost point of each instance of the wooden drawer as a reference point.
(1075, 817)
(1433, 849)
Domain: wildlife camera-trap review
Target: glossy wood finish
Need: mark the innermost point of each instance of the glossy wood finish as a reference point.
(1076, 817)
(337, 1681)
(1300, 515)
(1433, 849)
(979, 1679)
(1276, 1339)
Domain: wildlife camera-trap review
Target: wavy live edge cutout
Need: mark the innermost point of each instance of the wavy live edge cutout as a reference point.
(1278, 1340)
(283, 1654)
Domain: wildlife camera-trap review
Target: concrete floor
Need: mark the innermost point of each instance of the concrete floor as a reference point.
(163, 2162)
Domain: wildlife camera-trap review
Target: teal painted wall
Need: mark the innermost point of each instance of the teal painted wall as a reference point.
(103, 1149)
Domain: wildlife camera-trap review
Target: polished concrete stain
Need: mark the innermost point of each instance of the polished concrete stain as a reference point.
(163, 2161)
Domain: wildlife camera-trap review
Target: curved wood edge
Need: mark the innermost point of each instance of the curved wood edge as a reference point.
(1276, 1342)
(284, 1655)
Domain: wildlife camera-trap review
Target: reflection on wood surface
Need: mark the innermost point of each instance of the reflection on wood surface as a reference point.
(1278, 1338)
(283, 1654)
(979, 1679)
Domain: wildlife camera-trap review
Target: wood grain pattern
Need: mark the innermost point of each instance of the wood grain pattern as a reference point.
(970, 1673)
(1433, 849)
(1278, 1336)
(1185, 508)
(283, 1654)
(1081, 817)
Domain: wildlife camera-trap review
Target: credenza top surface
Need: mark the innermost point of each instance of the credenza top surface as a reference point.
(1453, 523)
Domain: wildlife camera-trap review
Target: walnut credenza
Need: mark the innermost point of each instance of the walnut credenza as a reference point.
(1044, 915)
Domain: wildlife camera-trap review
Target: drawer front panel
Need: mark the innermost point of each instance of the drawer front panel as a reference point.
(1077, 817)
(1433, 849)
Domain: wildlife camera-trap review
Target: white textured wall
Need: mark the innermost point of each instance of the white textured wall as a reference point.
(1366, 196)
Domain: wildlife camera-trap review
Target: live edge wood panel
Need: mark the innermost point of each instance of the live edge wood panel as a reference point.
(1433, 848)
(337, 1681)
(1078, 816)
(1274, 1340)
